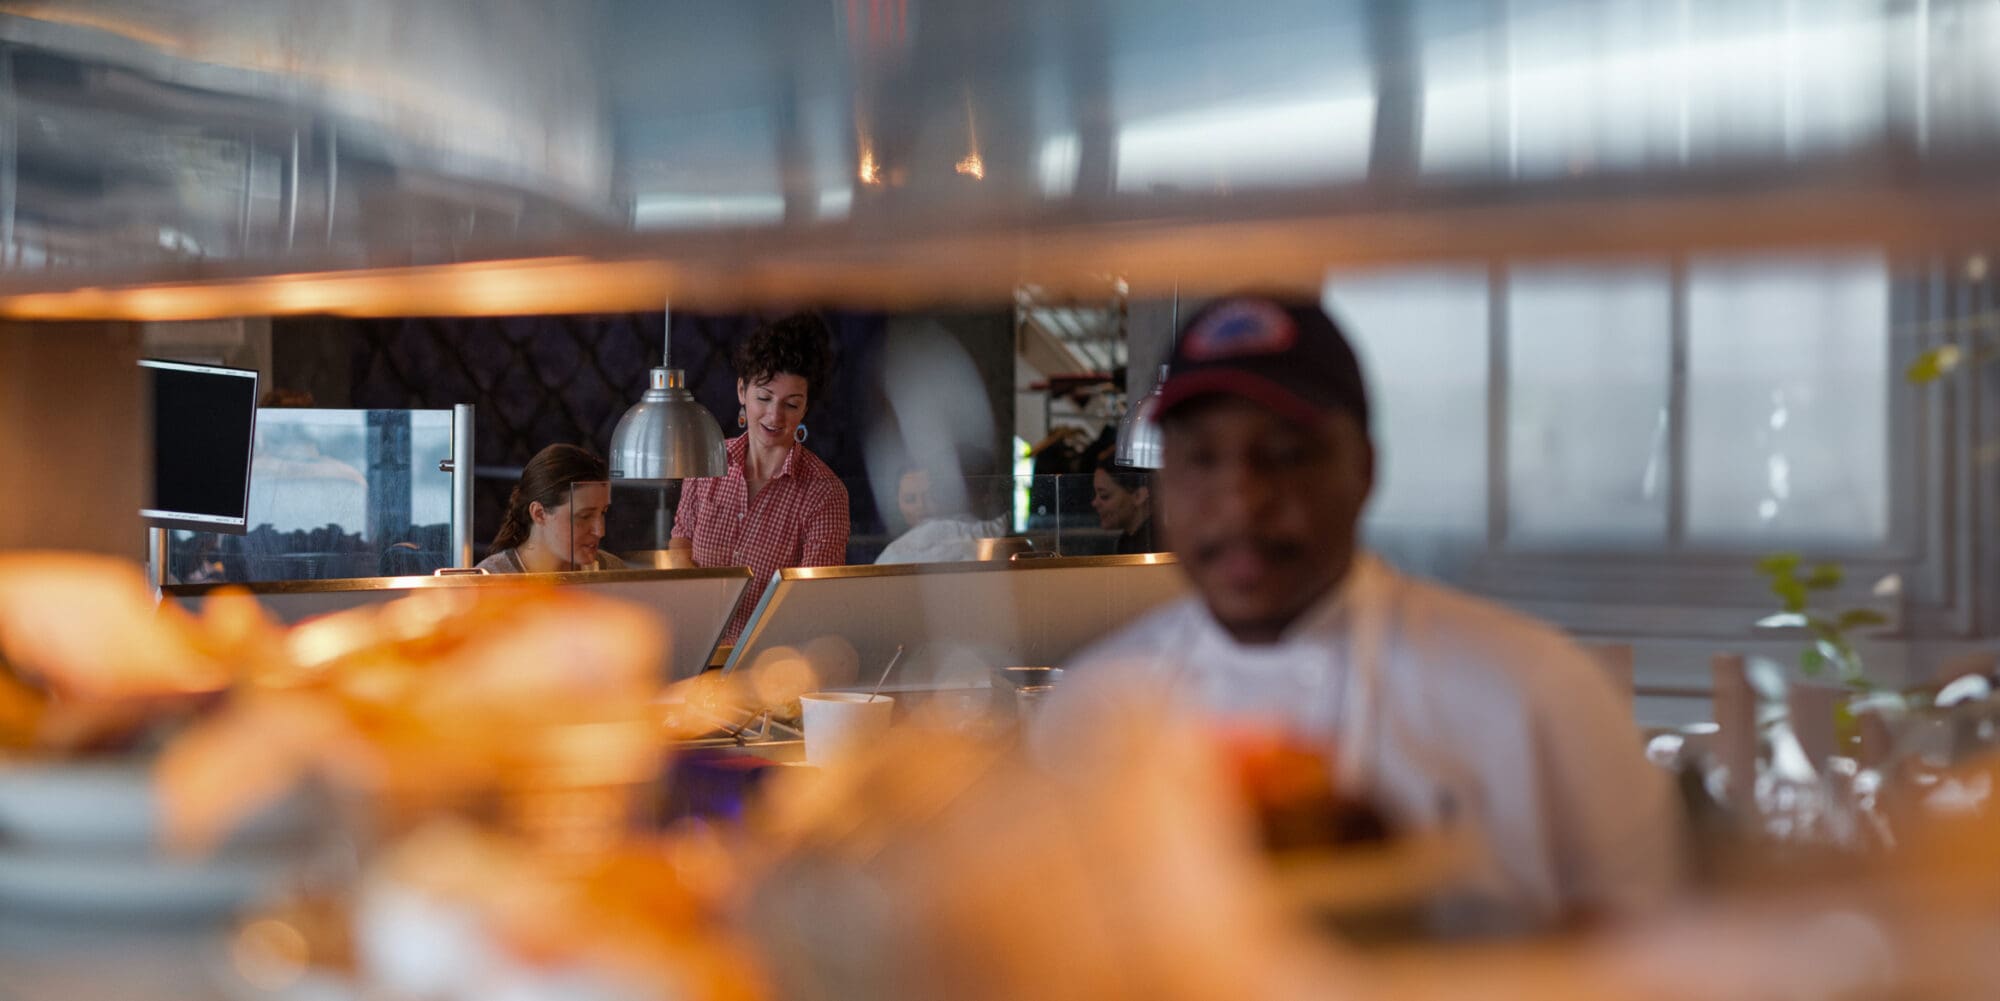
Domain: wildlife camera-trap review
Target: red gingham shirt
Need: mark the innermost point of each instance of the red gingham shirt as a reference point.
(799, 519)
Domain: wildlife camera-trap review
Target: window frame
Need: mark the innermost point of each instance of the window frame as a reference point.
(1680, 588)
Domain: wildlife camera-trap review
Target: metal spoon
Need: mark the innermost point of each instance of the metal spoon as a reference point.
(885, 673)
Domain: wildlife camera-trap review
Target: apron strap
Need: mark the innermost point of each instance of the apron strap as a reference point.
(1368, 615)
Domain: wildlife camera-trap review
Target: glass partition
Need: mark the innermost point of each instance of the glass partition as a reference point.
(691, 606)
(932, 519)
(919, 521)
(958, 626)
(334, 494)
(639, 522)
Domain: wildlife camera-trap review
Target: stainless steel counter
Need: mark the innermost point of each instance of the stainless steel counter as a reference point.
(43, 958)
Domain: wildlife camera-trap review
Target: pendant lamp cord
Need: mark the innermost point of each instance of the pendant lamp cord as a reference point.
(667, 334)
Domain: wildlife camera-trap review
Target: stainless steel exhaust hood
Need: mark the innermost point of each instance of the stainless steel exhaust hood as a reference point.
(211, 157)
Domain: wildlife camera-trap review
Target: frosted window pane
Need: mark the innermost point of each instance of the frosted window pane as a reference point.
(1422, 340)
(1788, 401)
(1589, 354)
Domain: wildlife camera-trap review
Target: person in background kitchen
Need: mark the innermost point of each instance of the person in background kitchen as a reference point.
(1444, 711)
(555, 516)
(779, 505)
(948, 511)
(913, 495)
(1123, 500)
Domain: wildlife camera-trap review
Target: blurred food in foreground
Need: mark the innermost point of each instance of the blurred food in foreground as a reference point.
(939, 865)
(1290, 784)
(87, 662)
(425, 701)
(456, 911)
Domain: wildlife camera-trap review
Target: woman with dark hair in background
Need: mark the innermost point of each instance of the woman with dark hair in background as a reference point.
(779, 505)
(555, 516)
(1123, 500)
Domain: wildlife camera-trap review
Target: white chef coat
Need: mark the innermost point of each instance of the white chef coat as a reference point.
(942, 540)
(1464, 715)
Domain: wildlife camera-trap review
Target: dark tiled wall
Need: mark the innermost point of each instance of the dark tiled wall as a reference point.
(544, 379)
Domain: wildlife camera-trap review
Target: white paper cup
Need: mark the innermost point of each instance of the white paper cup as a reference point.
(840, 723)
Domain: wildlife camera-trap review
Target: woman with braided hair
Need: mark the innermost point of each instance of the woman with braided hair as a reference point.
(555, 516)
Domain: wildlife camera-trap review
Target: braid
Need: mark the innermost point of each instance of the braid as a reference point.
(513, 524)
(546, 480)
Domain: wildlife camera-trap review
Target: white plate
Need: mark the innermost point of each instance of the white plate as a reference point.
(110, 804)
(138, 887)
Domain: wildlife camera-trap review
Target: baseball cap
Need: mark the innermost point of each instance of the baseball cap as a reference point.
(1282, 353)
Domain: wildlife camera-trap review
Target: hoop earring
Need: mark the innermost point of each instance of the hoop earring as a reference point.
(799, 434)
(742, 419)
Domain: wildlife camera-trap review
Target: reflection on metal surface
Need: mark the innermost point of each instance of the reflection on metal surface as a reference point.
(463, 418)
(824, 152)
(667, 435)
(157, 133)
(959, 620)
(1139, 445)
(691, 605)
(487, 580)
(915, 569)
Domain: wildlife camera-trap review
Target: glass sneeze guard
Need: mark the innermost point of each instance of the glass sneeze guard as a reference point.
(334, 494)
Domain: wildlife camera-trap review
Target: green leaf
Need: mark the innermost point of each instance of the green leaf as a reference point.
(1824, 577)
(1778, 563)
(1811, 661)
(1823, 628)
(1854, 618)
(1934, 364)
(1791, 592)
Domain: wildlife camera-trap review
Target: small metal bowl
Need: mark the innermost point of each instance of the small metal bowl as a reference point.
(1026, 677)
(1001, 548)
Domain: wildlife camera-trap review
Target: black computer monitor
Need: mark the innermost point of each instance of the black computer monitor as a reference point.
(204, 429)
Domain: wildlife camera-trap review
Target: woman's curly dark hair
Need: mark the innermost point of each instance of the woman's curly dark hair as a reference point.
(796, 345)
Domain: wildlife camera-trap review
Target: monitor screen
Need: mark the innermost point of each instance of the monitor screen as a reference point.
(204, 427)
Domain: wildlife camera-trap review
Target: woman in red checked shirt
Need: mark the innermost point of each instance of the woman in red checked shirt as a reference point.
(779, 505)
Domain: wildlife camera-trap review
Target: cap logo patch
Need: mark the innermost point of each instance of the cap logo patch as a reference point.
(1236, 329)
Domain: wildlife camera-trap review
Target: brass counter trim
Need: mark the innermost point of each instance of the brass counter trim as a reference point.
(973, 566)
(342, 584)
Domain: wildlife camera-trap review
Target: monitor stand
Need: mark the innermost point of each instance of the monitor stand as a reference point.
(156, 558)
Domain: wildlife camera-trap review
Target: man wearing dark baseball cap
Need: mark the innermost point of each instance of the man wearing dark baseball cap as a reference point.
(1444, 710)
